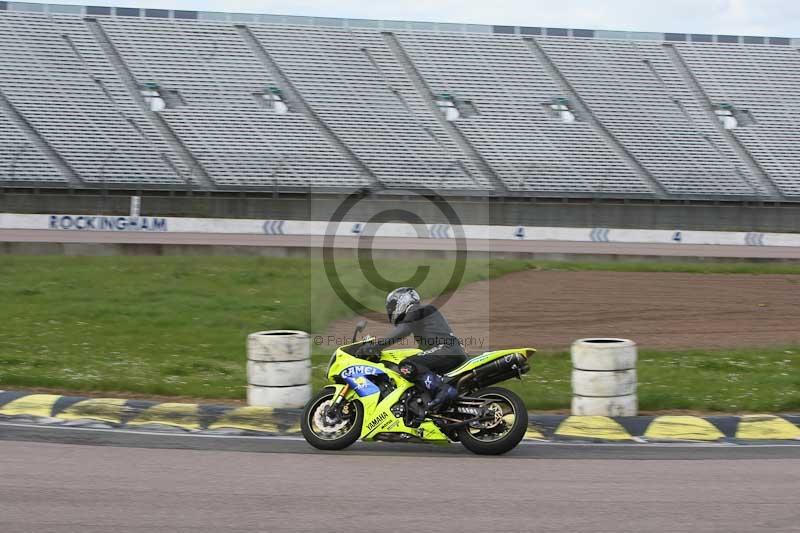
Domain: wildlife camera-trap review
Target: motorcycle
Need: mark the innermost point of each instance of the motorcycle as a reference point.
(369, 399)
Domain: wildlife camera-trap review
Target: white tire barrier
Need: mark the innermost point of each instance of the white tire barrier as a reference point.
(601, 383)
(278, 345)
(604, 377)
(613, 406)
(278, 368)
(278, 374)
(278, 396)
(604, 354)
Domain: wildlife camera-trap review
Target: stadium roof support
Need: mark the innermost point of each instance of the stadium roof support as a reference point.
(585, 111)
(297, 99)
(425, 92)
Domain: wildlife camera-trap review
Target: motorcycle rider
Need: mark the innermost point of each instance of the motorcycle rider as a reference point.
(441, 349)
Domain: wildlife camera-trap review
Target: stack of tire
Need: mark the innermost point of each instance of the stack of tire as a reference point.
(278, 368)
(604, 377)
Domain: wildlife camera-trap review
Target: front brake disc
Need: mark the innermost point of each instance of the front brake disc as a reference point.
(325, 423)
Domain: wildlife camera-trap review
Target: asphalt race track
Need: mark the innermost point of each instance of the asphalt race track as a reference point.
(119, 485)
(402, 243)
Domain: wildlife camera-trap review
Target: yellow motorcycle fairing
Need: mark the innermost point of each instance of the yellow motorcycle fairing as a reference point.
(378, 417)
(396, 356)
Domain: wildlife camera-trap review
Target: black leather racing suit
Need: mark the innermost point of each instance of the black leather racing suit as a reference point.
(442, 350)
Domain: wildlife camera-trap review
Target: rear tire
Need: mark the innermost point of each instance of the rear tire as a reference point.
(507, 434)
(335, 436)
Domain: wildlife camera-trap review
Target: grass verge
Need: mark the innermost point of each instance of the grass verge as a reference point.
(169, 325)
(175, 326)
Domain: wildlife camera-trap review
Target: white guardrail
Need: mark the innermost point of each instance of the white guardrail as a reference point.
(63, 222)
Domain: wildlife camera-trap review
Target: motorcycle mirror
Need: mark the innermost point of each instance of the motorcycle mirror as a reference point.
(362, 324)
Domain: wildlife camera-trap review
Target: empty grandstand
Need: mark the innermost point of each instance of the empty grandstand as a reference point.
(105, 98)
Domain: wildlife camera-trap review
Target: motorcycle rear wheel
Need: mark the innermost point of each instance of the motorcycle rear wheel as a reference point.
(326, 434)
(503, 435)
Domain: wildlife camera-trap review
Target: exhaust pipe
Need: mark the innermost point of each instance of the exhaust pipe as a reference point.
(510, 366)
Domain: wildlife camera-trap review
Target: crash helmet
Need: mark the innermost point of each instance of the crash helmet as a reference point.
(399, 301)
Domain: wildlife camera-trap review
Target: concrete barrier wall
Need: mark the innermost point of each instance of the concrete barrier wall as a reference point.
(74, 222)
(543, 212)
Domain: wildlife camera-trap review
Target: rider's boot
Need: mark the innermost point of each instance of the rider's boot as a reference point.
(442, 392)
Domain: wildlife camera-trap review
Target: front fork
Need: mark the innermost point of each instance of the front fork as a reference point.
(334, 410)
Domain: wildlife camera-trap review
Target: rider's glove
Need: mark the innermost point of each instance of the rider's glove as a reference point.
(368, 350)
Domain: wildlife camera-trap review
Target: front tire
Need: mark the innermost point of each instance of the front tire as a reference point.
(500, 436)
(324, 433)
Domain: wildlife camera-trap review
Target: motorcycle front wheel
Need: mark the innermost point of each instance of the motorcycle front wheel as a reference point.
(327, 432)
(504, 431)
